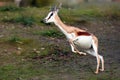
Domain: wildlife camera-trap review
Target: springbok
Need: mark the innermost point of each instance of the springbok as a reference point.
(77, 37)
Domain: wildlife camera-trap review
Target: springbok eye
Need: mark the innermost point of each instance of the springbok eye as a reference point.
(50, 15)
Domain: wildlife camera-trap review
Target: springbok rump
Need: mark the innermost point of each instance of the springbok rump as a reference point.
(77, 37)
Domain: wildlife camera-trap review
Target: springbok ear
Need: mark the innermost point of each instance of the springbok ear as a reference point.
(53, 8)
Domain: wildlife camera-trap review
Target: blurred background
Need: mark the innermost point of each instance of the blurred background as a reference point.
(41, 3)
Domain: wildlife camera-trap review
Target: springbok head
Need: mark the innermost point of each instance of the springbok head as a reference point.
(51, 15)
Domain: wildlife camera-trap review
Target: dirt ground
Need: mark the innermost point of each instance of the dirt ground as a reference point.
(82, 67)
(73, 66)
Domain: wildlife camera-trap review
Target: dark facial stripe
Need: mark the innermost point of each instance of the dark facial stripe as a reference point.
(50, 15)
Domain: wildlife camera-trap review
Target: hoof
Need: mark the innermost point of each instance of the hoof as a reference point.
(101, 69)
(82, 53)
(96, 72)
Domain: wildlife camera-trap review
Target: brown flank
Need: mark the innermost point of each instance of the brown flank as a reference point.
(83, 33)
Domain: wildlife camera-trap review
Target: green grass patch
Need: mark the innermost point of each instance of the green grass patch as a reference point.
(25, 20)
(22, 71)
(6, 71)
(112, 13)
(10, 8)
(50, 33)
(18, 40)
(90, 12)
(29, 16)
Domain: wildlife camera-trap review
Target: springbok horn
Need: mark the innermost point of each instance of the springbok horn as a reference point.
(60, 5)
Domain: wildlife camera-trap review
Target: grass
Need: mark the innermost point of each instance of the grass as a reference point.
(27, 21)
(50, 33)
(91, 12)
(84, 14)
(10, 8)
(21, 72)
(19, 40)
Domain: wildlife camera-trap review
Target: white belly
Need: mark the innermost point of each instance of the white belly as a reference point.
(84, 42)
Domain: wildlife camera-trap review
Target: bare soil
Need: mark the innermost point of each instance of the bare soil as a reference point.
(66, 65)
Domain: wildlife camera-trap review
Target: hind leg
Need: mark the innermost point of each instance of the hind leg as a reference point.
(99, 57)
(72, 48)
(98, 64)
(102, 62)
(95, 49)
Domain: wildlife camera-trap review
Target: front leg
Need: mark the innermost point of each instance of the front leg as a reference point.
(74, 49)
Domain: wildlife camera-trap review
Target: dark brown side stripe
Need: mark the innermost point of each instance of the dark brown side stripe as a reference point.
(83, 33)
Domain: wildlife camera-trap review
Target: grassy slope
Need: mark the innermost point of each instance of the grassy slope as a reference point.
(29, 51)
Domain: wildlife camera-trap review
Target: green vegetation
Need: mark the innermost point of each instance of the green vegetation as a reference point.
(19, 40)
(13, 72)
(10, 8)
(41, 3)
(29, 16)
(28, 21)
(50, 33)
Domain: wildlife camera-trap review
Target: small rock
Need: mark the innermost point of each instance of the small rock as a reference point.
(1, 36)
(23, 59)
(34, 49)
(42, 48)
(5, 50)
(18, 52)
(19, 42)
(19, 48)
(37, 52)
(13, 27)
